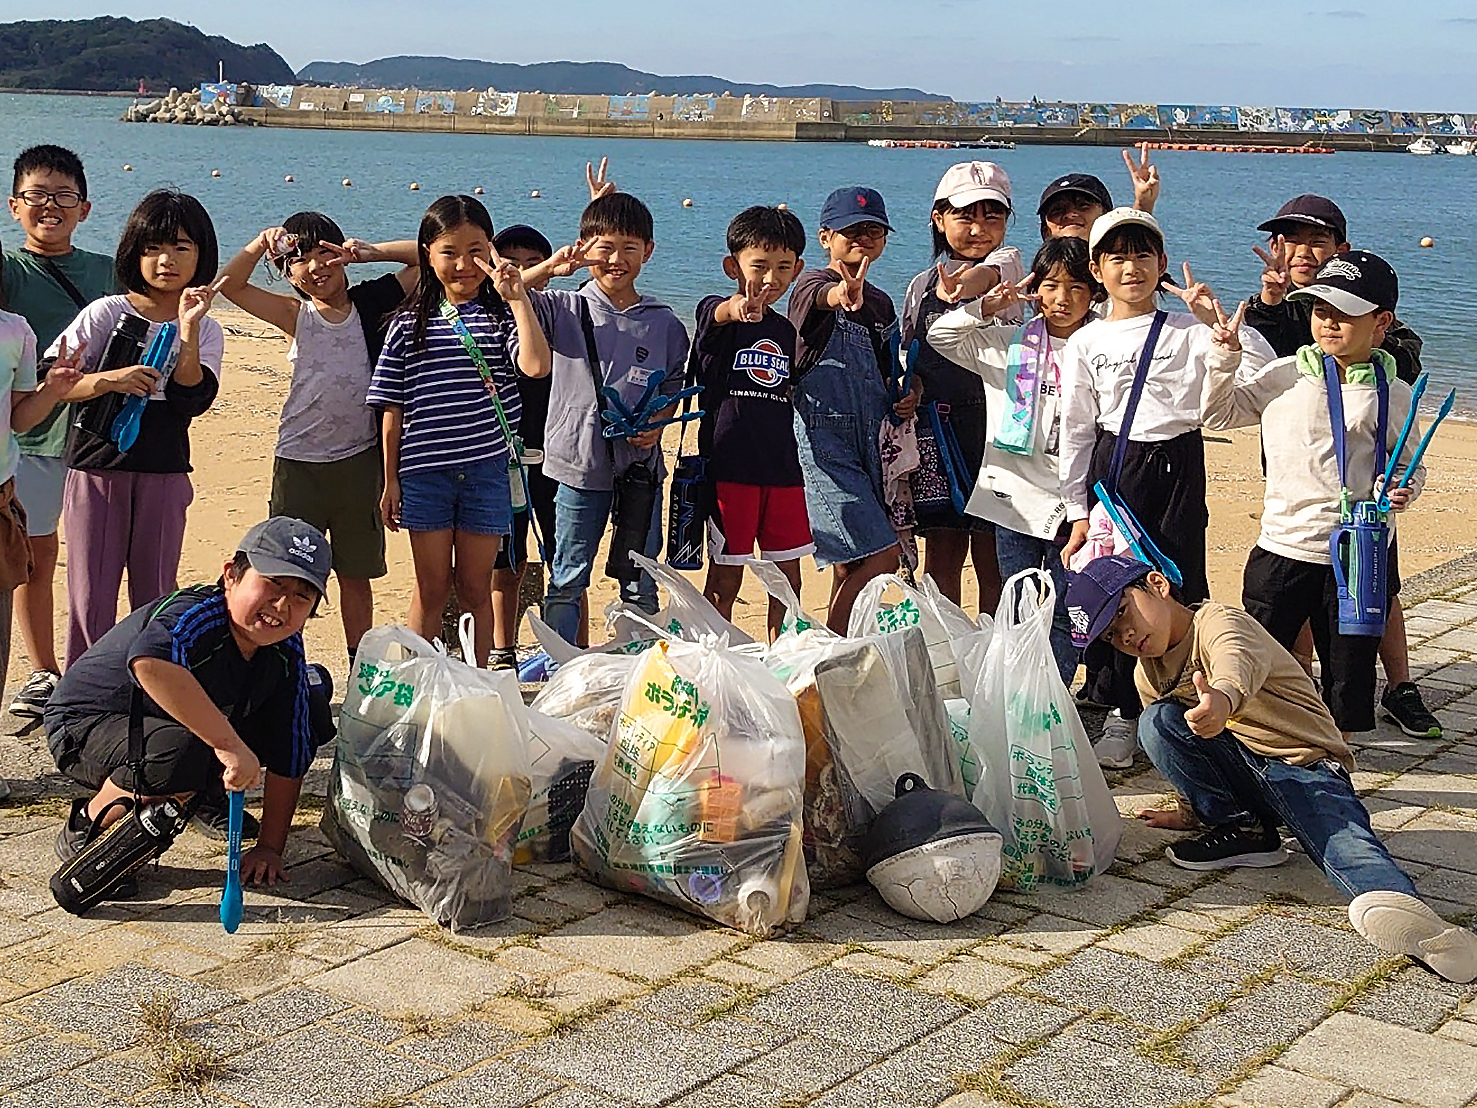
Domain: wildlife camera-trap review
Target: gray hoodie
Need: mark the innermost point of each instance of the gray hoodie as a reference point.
(631, 344)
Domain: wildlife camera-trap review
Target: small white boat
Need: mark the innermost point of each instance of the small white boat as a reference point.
(1463, 148)
(1425, 145)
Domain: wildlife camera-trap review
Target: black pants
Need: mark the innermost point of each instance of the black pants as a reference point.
(1163, 483)
(92, 749)
(1282, 594)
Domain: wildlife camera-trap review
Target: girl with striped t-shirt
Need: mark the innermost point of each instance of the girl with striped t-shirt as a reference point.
(444, 383)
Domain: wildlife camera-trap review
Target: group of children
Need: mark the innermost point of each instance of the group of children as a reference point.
(991, 418)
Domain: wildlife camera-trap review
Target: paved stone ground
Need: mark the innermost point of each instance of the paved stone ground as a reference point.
(1151, 987)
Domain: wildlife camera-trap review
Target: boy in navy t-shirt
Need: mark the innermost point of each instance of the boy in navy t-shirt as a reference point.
(743, 356)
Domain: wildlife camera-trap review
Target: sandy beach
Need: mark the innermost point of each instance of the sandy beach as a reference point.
(232, 453)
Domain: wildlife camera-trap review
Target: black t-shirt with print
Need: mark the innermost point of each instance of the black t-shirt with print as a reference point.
(748, 432)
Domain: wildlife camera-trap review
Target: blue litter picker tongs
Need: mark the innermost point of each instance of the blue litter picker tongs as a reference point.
(1415, 459)
(900, 371)
(231, 894)
(627, 421)
(125, 428)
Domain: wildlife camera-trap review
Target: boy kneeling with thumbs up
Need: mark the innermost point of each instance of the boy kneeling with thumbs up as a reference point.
(1235, 724)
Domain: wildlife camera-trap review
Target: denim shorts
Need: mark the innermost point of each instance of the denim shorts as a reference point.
(473, 498)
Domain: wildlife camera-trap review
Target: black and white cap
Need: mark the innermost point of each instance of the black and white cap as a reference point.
(287, 547)
(1355, 282)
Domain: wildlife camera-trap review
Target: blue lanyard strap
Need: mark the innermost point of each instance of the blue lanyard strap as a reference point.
(1335, 392)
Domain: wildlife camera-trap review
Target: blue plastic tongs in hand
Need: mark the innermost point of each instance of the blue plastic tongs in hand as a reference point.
(125, 428)
(231, 895)
(1420, 450)
(900, 372)
(625, 422)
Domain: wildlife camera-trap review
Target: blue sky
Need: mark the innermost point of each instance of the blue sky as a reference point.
(1343, 53)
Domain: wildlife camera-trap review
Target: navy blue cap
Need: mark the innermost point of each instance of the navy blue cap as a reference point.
(849, 206)
(1355, 282)
(287, 547)
(1093, 594)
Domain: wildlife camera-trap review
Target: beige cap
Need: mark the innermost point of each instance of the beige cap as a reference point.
(1117, 218)
(970, 182)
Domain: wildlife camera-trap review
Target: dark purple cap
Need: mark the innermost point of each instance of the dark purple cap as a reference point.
(1084, 183)
(1093, 594)
(1309, 210)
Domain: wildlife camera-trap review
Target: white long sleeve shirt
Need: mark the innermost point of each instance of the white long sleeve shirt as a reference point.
(1020, 492)
(1301, 505)
(1098, 365)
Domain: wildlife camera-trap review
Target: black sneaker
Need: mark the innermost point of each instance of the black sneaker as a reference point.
(502, 657)
(79, 830)
(212, 818)
(30, 699)
(1227, 846)
(1403, 707)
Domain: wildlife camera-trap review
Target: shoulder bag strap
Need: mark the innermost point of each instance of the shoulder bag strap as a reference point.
(474, 351)
(1140, 375)
(1336, 419)
(597, 372)
(54, 271)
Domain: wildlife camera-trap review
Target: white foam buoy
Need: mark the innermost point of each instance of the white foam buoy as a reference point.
(783, 206)
(348, 183)
(415, 186)
(127, 167)
(478, 191)
(289, 178)
(535, 195)
(215, 173)
(687, 203)
(1427, 242)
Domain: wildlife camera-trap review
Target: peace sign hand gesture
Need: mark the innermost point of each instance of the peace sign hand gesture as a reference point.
(1208, 718)
(1145, 177)
(1006, 295)
(507, 278)
(748, 306)
(849, 291)
(1197, 297)
(1227, 332)
(1276, 277)
(567, 259)
(600, 184)
(66, 370)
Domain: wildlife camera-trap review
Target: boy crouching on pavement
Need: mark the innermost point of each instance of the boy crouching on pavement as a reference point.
(1234, 723)
(216, 677)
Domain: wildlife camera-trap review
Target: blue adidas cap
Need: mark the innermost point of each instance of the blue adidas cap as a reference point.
(849, 206)
(1093, 594)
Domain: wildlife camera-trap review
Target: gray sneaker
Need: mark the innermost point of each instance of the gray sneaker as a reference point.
(30, 699)
(1119, 742)
(1398, 923)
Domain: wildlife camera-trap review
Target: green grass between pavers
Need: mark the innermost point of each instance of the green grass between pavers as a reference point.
(990, 1081)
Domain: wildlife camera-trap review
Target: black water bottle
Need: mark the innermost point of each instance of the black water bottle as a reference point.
(687, 520)
(125, 348)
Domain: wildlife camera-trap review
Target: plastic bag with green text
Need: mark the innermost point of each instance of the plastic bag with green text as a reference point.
(698, 799)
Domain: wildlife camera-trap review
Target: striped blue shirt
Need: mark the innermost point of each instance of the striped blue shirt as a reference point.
(449, 417)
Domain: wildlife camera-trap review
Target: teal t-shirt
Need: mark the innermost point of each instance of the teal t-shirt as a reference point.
(32, 292)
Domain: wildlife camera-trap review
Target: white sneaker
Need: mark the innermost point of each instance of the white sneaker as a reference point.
(1119, 743)
(1400, 924)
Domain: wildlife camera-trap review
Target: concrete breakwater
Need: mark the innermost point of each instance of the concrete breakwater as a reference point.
(812, 119)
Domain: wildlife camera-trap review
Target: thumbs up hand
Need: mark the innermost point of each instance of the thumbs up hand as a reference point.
(1208, 718)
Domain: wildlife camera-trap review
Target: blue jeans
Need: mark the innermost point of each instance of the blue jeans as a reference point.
(581, 518)
(1015, 552)
(1226, 782)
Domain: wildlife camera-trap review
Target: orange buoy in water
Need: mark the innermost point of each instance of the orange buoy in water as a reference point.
(415, 186)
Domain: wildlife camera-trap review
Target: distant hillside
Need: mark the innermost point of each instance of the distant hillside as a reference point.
(109, 54)
(580, 78)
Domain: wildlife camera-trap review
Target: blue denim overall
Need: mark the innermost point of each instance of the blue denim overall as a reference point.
(839, 408)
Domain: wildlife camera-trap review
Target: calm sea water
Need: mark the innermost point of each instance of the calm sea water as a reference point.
(1210, 206)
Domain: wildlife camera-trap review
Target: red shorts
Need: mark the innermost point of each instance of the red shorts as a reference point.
(772, 516)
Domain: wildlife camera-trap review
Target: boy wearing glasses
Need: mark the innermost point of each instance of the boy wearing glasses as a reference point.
(842, 394)
(48, 281)
(327, 470)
